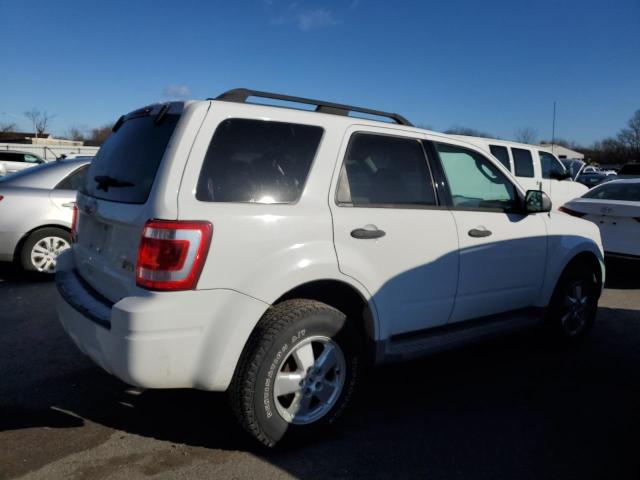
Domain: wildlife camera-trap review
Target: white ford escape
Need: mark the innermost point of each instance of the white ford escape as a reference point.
(273, 252)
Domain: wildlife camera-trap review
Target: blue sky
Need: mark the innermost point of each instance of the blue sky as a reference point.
(494, 66)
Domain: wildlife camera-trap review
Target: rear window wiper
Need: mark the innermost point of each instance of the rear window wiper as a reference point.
(105, 181)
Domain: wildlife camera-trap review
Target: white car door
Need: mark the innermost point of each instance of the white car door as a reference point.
(390, 232)
(502, 251)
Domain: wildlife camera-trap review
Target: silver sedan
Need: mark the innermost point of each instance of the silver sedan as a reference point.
(36, 212)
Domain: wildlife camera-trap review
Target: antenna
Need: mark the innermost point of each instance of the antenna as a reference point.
(553, 128)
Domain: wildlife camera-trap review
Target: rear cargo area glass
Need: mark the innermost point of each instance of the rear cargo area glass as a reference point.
(130, 159)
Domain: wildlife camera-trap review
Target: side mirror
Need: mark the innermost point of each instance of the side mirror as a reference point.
(536, 201)
(560, 175)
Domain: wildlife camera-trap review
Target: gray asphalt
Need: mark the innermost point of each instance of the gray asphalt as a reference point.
(514, 408)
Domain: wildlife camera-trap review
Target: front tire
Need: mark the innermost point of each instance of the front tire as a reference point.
(41, 249)
(574, 304)
(297, 372)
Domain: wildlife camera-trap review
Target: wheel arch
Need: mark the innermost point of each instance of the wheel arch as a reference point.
(344, 297)
(18, 249)
(587, 257)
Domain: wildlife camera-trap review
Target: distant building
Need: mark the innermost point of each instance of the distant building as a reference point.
(43, 139)
(564, 152)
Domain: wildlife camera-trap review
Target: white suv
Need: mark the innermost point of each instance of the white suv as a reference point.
(274, 252)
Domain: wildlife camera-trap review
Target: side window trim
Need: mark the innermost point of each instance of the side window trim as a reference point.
(343, 191)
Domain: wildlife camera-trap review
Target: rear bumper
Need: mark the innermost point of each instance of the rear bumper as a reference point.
(190, 339)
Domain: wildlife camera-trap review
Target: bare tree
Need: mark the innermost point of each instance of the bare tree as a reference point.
(7, 127)
(471, 132)
(526, 135)
(630, 137)
(99, 134)
(40, 120)
(75, 133)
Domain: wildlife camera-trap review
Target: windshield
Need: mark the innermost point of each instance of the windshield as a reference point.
(125, 167)
(573, 166)
(629, 192)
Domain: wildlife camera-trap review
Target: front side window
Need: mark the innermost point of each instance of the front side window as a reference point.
(474, 182)
(522, 162)
(381, 170)
(501, 154)
(551, 168)
(257, 161)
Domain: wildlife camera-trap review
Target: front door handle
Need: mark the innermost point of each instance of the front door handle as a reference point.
(479, 232)
(368, 232)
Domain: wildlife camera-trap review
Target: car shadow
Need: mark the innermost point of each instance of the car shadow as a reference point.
(511, 408)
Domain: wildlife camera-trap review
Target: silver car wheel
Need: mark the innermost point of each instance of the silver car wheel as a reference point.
(309, 380)
(45, 252)
(576, 305)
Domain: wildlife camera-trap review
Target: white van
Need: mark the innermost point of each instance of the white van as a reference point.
(535, 167)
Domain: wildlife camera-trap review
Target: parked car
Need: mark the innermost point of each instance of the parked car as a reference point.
(36, 209)
(273, 253)
(14, 161)
(630, 170)
(535, 167)
(615, 208)
(594, 178)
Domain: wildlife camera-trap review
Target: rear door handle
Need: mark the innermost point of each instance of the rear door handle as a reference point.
(369, 232)
(479, 232)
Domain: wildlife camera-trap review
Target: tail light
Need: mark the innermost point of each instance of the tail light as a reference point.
(74, 223)
(172, 253)
(571, 212)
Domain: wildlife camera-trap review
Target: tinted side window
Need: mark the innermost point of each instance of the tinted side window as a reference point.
(257, 161)
(501, 154)
(12, 157)
(474, 181)
(381, 170)
(522, 162)
(551, 167)
(74, 180)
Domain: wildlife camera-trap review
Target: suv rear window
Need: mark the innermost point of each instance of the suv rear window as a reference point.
(129, 159)
(257, 161)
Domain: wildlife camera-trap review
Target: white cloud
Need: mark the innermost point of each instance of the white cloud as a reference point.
(176, 92)
(314, 19)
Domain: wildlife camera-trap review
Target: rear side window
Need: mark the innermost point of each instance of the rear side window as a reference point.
(257, 161)
(501, 154)
(522, 162)
(74, 180)
(381, 170)
(126, 165)
(12, 157)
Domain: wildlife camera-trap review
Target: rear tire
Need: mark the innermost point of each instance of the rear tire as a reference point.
(297, 372)
(574, 304)
(42, 247)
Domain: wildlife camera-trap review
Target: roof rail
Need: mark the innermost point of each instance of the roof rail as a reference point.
(240, 95)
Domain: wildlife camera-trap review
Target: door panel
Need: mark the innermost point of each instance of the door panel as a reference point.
(390, 236)
(502, 271)
(502, 253)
